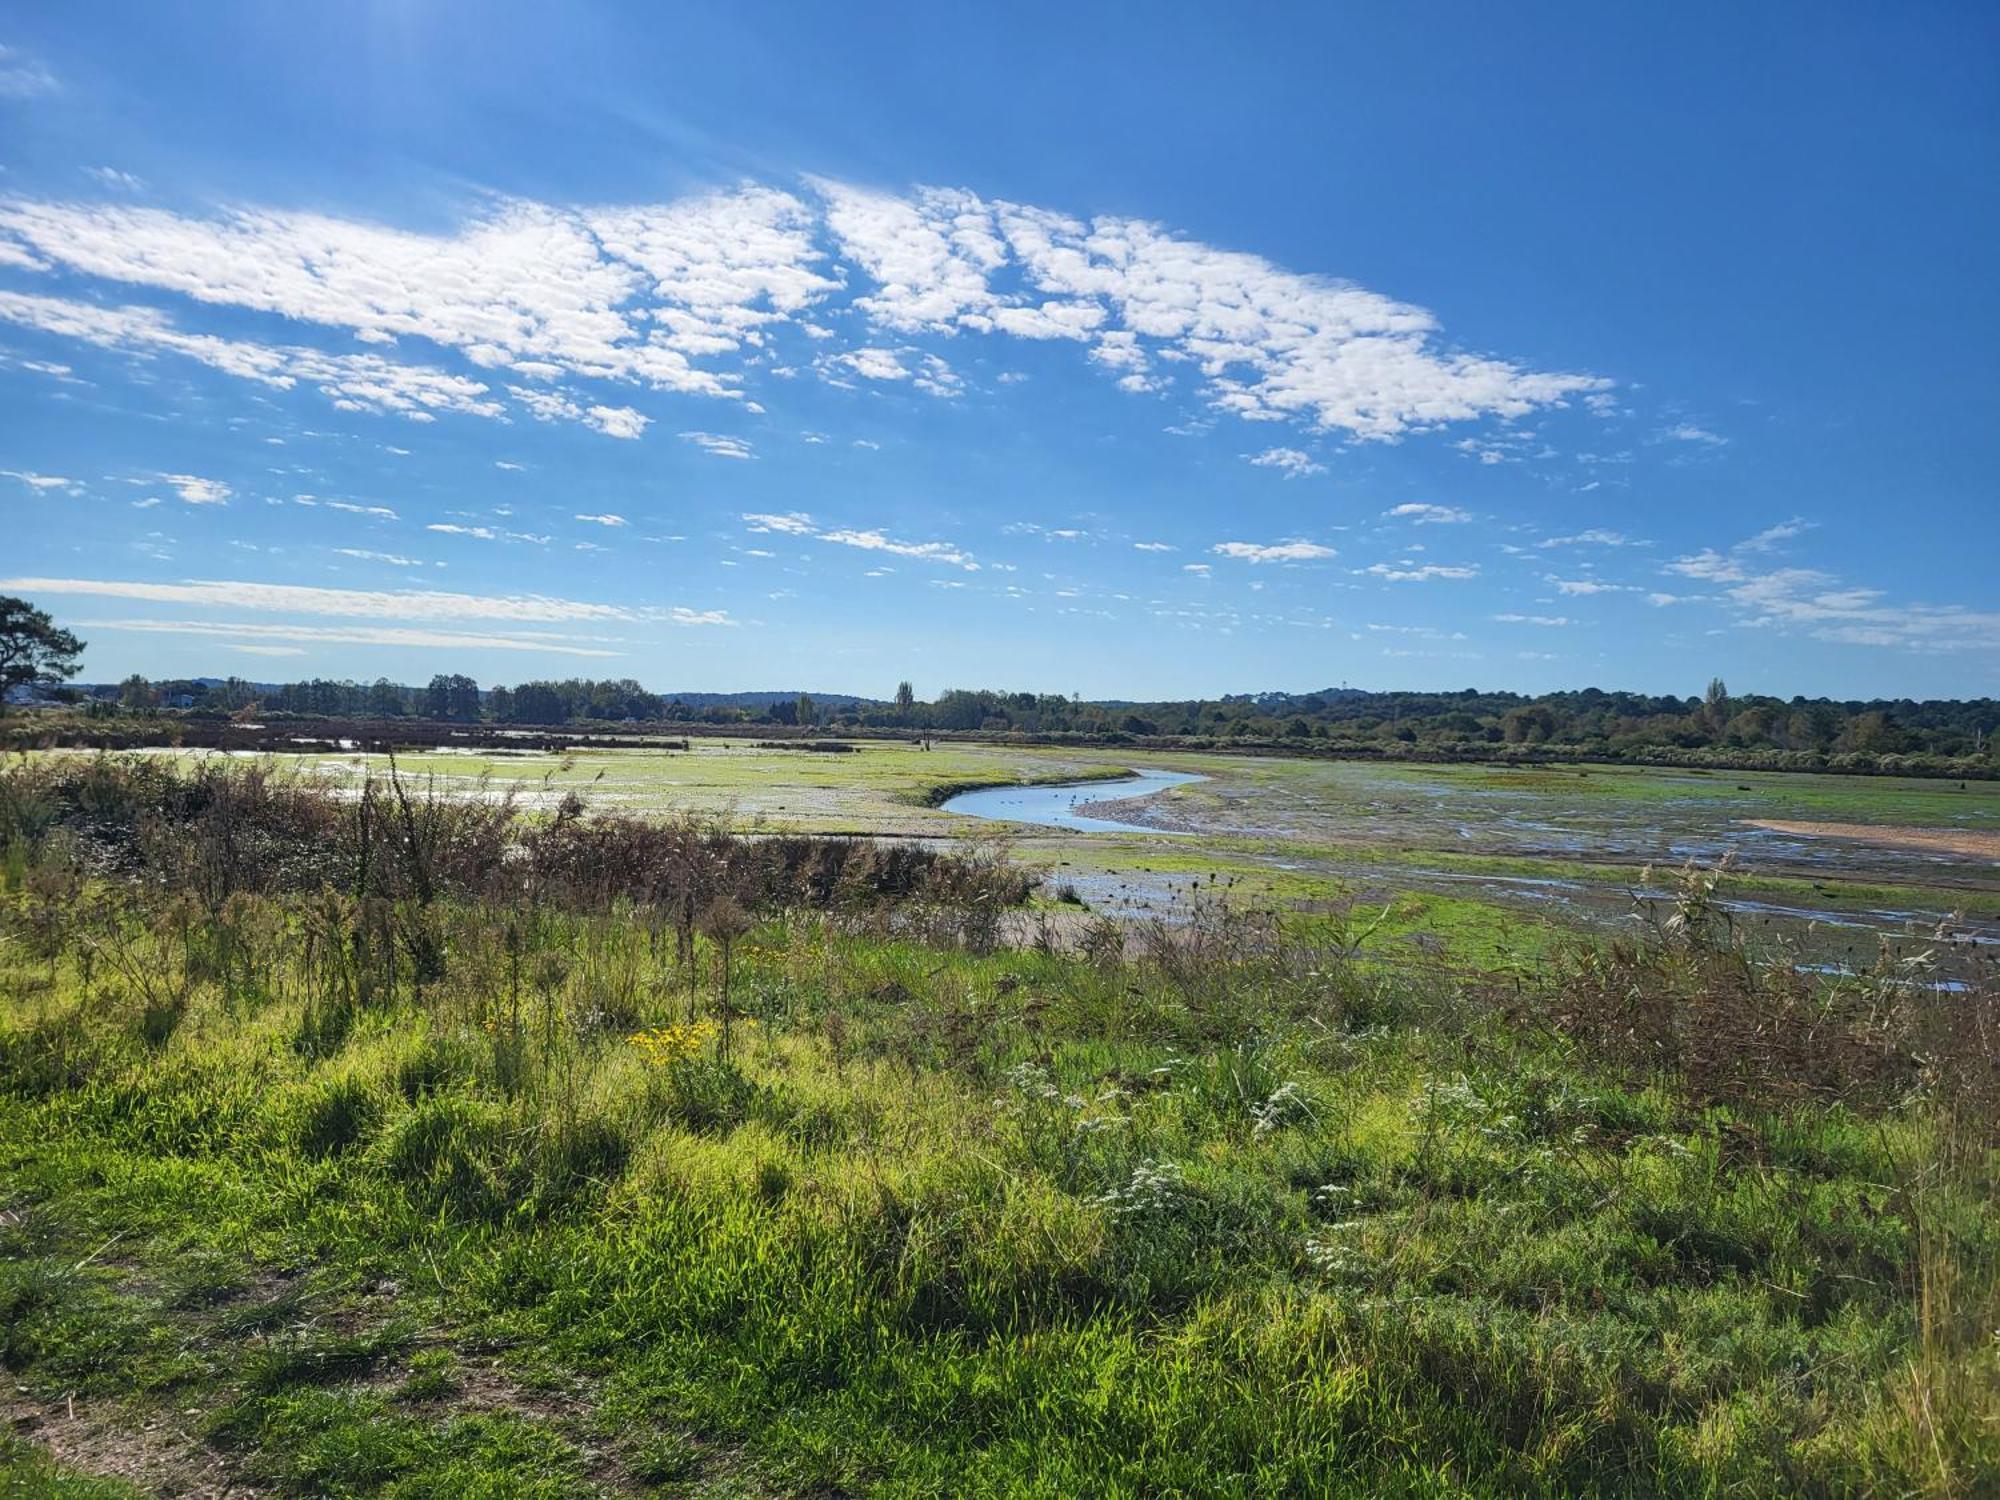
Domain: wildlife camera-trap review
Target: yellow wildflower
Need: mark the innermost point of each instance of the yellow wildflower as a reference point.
(664, 1046)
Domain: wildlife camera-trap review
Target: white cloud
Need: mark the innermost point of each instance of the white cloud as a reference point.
(487, 533)
(532, 288)
(555, 406)
(1425, 632)
(1770, 536)
(927, 372)
(1429, 515)
(723, 267)
(1119, 352)
(348, 635)
(1269, 552)
(1595, 537)
(1271, 343)
(657, 294)
(1154, 547)
(606, 519)
(353, 382)
(873, 364)
(1731, 567)
(198, 491)
(720, 444)
(928, 259)
(1294, 463)
(1586, 586)
(1424, 574)
(1688, 432)
(1818, 604)
(394, 559)
(615, 421)
(397, 604)
(111, 177)
(875, 541)
(1807, 599)
(1548, 620)
(1709, 565)
(43, 483)
(798, 523)
(24, 77)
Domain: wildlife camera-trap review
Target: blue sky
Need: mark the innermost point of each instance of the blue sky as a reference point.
(1139, 352)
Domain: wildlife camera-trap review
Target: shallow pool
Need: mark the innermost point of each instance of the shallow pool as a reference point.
(1057, 806)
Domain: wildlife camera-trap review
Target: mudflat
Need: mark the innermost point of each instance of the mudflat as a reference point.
(1942, 840)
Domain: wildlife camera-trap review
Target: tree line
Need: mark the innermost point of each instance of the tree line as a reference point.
(1717, 727)
(1589, 720)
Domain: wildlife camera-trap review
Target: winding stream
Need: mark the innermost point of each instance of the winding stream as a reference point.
(1057, 806)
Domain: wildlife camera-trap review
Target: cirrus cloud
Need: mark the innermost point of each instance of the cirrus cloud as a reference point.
(391, 604)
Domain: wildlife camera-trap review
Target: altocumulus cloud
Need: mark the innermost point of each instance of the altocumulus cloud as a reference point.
(353, 382)
(1421, 514)
(1270, 552)
(689, 297)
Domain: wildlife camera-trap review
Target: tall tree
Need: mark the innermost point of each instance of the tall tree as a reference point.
(462, 698)
(32, 648)
(1715, 705)
(906, 698)
(453, 696)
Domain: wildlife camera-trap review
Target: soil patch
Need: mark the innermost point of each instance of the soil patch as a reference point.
(1939, 840)
(110, 1442)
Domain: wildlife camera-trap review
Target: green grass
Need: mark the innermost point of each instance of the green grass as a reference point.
(1323, 1191)
(27, 1470)
(941, 1223)
(885, 786)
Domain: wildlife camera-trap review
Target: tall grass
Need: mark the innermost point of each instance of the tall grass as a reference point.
(777, 1147)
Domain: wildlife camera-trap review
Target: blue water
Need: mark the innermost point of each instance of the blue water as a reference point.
(1056, 806)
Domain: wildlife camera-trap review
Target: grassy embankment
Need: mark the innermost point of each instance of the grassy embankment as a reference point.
(396, 1145)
